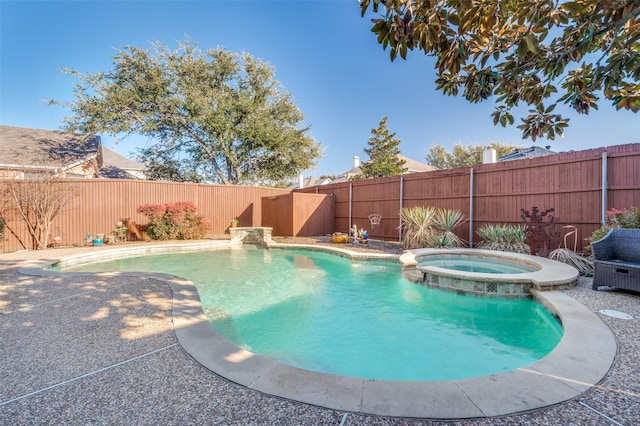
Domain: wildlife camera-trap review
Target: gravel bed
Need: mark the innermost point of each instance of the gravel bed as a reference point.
(87, 350)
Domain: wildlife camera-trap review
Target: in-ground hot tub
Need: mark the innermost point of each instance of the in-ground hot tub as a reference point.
(486, 273)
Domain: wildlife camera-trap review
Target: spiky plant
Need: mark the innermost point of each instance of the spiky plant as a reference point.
(517, 237)
(584, 265)
(445, 222)
(418, 227)
(445, 240)
(492, 237)
(503, 238)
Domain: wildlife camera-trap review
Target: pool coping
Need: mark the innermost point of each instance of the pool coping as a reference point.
(581, 360)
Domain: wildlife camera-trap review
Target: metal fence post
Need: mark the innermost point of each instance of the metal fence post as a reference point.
(604, 189)
(401, 196)
(350, 206)
(471, 208)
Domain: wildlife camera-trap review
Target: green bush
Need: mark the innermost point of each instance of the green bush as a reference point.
(1, 230)
(616, 219)
(174, 221)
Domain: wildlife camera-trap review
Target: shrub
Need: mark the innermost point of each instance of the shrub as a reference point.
(174, 221)
(616, 219)
(624, 218)
(504, 238)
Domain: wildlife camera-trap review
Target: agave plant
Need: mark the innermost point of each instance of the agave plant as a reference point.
(445, 222)
(418, 227)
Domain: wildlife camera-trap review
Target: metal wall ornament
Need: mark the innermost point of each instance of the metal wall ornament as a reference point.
(540, 230)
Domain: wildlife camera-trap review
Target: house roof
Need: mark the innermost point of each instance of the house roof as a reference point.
(40, 149)
(115, 166)
(412, 166)
(521, 153)
(310, 181)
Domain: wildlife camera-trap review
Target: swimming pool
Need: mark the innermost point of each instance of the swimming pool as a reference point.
(321, 312)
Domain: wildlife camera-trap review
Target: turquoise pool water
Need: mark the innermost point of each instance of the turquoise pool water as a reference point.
(468, 263)
(326, 313)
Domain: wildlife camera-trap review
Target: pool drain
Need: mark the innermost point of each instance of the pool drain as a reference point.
(615, 314)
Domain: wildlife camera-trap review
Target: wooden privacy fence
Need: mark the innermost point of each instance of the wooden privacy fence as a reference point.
(102, 203)
(295, 214)
(580, 186)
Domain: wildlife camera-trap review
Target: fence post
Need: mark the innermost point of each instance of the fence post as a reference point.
(604, 189)
(350, 206)
(471, 208)
(401, 196)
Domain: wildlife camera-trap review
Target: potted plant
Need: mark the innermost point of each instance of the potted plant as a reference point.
(234, 222)
(120, 232)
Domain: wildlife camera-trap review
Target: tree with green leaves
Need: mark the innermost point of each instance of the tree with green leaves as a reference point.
(464, 156)
(214, 116)
(384, 154)
(165, 164)
(534, 52)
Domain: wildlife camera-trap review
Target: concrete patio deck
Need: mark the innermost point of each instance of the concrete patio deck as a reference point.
(103, 350)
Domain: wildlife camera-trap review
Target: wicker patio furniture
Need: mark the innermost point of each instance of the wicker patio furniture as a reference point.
(616, 259)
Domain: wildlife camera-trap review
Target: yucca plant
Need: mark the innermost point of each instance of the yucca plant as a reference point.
(418, 227)
(448, 240)
(516, 236)
(492, 237)
(428, 227)
(445, 222)
(503, 238)
(584, 265)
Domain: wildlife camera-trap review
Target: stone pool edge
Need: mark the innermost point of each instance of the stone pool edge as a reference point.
(581, 360)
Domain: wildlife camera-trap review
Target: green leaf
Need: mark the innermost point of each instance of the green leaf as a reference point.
(522, 49)
(403, 50)
(532, 43)
(496, 117)
(573, 7)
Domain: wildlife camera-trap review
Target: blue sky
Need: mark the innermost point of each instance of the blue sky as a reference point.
(322, 51)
